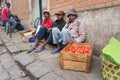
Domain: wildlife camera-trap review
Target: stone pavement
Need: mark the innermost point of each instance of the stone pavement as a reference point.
(16, 64)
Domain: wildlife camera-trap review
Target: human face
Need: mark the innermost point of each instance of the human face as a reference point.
(59, 16)
(8, 6)
(46, 15)
(72, 17)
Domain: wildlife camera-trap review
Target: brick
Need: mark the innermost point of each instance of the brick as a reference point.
(80, 4)
(109, 4)
(51, 76)
(100, 5)
(117, 2)
(36, 71)
(24, 59)
(20, 8)
(91, 2)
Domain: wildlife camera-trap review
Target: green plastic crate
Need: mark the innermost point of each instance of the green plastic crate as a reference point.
(111, 71)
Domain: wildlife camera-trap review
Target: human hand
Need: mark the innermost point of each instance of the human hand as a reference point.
(49, 29)
(70, 41)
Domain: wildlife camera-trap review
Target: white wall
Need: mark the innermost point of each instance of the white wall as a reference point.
(35, 9)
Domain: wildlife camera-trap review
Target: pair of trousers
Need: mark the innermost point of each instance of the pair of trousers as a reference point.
(42, 33)
(64, 35)
(13, 26)
(4, 23)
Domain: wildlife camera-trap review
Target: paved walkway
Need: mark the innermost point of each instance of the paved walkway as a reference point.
(16, 64)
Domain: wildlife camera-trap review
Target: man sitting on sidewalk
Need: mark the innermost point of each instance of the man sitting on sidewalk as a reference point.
(57, 27)
(14, 22)
(43, 31)
(73, 31)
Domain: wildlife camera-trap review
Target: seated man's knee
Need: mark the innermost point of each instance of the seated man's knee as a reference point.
(55, 30)
(43, 27)
(64, 31)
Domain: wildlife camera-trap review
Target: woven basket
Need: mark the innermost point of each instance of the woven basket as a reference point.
(110, 71)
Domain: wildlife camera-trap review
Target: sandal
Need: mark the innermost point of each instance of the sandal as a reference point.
(31, 49)
(56, 50)
(39, 49)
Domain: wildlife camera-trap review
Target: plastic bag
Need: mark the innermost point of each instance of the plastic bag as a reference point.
(111, 52)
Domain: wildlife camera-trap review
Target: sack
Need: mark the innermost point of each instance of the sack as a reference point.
(31, 39)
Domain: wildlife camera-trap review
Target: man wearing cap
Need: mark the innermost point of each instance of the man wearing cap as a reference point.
(73, 31)
(56, 28)
(44, 30)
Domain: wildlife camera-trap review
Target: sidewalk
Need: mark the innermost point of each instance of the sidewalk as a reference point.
(45, 66)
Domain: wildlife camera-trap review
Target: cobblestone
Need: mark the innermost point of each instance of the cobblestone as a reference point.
(3, 74)
(23, 59)
(7, 61)
(40, 66)
(36, 71)
(13, 49)
(51, 76)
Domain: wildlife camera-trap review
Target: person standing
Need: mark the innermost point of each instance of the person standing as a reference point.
(5, 13)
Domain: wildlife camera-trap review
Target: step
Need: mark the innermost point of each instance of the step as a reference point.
(31, 67)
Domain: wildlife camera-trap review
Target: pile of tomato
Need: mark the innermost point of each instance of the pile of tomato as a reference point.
(82, 49)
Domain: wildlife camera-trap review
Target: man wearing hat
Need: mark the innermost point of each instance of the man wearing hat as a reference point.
(43, 32)
(73, 31)
(54, 34)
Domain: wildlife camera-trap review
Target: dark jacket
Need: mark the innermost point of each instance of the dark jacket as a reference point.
(59, 23)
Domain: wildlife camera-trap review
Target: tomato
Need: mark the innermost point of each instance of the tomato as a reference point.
(82, 49)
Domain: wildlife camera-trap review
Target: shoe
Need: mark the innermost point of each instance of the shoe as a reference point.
(31, 49)
(39, 49)
(56, 50)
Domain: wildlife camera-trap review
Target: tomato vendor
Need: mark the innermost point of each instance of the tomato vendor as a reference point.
(73, 31)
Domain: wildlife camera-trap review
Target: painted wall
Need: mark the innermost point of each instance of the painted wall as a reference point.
(35, 9)
(101, 25)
